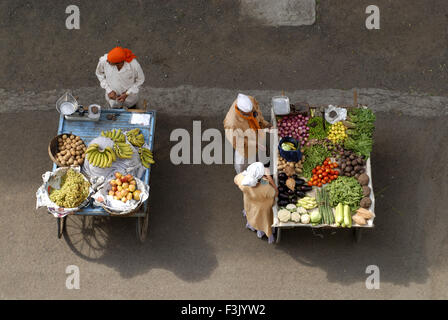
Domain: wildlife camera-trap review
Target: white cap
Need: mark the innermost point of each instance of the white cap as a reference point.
(252, 174)
(244, 103)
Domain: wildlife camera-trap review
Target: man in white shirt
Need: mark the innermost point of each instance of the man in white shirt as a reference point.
(121, 76)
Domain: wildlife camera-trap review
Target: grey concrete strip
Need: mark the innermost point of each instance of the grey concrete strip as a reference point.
(279, 12)
(188, 100)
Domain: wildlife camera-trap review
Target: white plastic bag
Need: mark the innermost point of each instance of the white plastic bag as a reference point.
(132, 166)
(53, 179)
(334, 114)
(104, 200)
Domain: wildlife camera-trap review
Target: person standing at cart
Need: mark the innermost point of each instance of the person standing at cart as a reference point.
(121, 76)
(244, 114)
(259, 192)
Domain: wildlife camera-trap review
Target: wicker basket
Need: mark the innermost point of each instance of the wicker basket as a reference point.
(53, 149)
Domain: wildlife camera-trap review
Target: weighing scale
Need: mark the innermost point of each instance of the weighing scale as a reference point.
(68, 106)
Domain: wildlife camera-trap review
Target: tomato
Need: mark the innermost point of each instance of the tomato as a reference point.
(328, 159)
(318, 168)
(327, 170)
(336, 173)
(319, 172)
(319, 185)
(335, 165)
(313, 171)
(310, 183)
(325, 174)
(314, 183)
(325, 163)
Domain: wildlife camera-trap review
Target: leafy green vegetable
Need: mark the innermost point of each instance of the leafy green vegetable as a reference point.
(314, 155)
(362, 145)
(360, 138)
(317, 130)
(345, 190)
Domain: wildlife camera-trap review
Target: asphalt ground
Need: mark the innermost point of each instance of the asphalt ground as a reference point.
(198, 247)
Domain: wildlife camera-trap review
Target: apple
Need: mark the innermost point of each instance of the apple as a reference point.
(111, 193)
(137, 195)
(116, 198)
(113, 183)
(124, 192)
(124, 199)
(132, 187)
(117, 175)
(124, 179)
(118, 194)
(132, 182)
(119, 188)
(129, 196)
(129, 177)
(118, 182)
(125, 185)
(114, 188)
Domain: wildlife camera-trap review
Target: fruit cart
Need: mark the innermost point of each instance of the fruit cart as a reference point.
(89, 130)
(279, 226)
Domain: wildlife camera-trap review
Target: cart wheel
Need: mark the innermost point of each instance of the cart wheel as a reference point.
(357, 234)
(61, 226)
(278, 235)
(142, 227)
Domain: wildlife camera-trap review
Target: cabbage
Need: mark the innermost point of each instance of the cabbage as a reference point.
(315, 216)
(291, 207)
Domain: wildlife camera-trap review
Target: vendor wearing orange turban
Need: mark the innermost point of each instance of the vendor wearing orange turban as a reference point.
(121, 76)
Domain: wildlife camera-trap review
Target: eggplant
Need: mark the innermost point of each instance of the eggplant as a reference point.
(281, 182)
(306, 188)
(290, 192)
(300, 194)
(281, 189)
(283, 196)
(282, 176)
(293, 199)
(299, 181)
(282, 203)
(294, 176)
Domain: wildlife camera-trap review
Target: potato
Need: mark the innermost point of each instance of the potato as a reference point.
(77, 153)
(77, 138)
(67, 156)
(70, 161)
(75, 163)
(63, 162)
(64, 136)
(72, 137)
(81, 161)
(72, 152)
(59, 140)
(78, 148)
(78, 157)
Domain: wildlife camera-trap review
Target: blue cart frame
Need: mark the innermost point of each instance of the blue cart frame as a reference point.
(89, 130)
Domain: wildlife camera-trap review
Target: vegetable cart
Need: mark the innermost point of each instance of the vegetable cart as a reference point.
(279, 225)
(89, 130)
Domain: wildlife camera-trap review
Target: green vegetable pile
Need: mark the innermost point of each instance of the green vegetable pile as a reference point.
(317, 130)
(74, 190)
(314, 155)
(360, 138)
(345, 190)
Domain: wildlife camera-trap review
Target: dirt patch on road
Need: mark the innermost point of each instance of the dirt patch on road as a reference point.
(205, 43)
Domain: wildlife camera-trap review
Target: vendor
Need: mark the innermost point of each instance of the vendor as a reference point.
(259, 192)
(244, 114)
(121, 76)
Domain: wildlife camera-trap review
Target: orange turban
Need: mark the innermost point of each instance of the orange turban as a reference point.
(119, 54)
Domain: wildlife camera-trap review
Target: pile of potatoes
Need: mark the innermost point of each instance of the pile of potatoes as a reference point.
(290, 168)
(71, 150)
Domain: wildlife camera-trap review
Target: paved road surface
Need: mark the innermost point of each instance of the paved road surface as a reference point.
(198, 247)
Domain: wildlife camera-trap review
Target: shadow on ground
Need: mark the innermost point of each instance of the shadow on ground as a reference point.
(409, 178)
(190, 220)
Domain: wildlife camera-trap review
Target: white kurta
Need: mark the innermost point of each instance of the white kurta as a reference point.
(127, 80)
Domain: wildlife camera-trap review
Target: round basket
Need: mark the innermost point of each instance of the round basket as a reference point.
(113, 213)
(53, 149)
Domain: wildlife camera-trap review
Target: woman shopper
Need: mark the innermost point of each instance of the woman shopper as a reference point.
(259, 192)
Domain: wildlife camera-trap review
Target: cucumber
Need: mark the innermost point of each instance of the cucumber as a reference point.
(347, 216)
(339, 215)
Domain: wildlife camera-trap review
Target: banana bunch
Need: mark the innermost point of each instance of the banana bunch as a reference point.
(146, 157)
(123, 150)
(135, 137)
(98, 158)
(115, 135)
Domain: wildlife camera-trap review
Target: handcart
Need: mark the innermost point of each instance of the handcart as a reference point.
(89, 130)
(279, 226)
